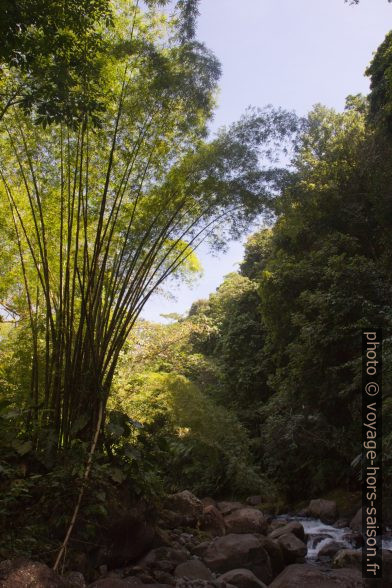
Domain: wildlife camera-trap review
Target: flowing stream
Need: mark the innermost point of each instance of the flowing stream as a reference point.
(320, 535)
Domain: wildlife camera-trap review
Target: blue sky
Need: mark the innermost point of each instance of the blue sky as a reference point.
(289, 53)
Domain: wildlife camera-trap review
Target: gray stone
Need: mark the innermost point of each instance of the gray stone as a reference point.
(254, 500)
(246, 520)
(294, 527)
(193, 569)
(330, 549)
(348, 558)
(292, 548)
(325, 510)
(239, 551)
(308, 576)
(23, 573)
(227, 507)
(242, 578)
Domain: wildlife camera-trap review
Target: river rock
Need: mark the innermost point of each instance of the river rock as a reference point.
(348, 558)
(246, 520)
(275, 553)
(254, 500)
(293, 548)
(227, 507)
(23, 573)
(242, 578)
(195, 583)
(294, 527)
(186, 505)
(355, 539)
(308, 576)
(325, 510)
(239, 551)
(318, 537)
(278, 523)
(130, 537)
(193, 569)
(208, 501)
(356, 521)
(212, 521)
(201, 548)
(331, 549)
(164, 558)
(75, 579)
(341, 524)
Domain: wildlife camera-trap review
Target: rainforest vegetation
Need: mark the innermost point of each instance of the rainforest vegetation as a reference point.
(109, 182)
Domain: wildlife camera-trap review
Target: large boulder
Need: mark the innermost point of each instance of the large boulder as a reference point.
(164, 558)
(23, 573)
(356, 521)
(246, 520)
(254, 500)
(208, 501)
(193, 569)
(242, 578)
(75, 579)
(275, 553)
(348, 558)
(308, 576)
(330, 549)
(239, 551)
(187, 507)
(294, 527)
(226, 507)
(212, 521)
(325, 510)
(130, 536)
(293, 548)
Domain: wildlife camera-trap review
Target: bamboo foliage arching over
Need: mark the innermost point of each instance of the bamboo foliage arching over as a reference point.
(102, 216)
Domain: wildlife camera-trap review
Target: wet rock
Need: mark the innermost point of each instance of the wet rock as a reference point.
(242, 578)
(325, 510)
(294, 527)
(23, 573)
(239, 551)
(355, 539)
(318, 537)
(330, 549)
(193, 569)
(348, 558)
(292, 548)
(341, 524)
(246, 520)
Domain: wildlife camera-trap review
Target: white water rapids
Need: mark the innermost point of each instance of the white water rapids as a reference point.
(319, 535)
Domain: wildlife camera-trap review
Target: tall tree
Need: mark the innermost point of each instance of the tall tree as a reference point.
(102, 216)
